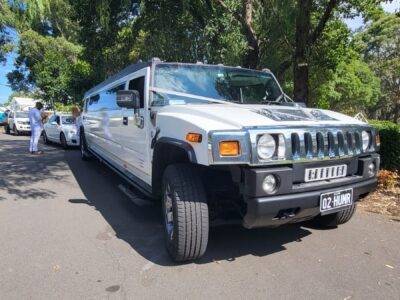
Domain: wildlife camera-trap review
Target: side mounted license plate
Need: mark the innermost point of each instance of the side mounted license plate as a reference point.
(335, 201)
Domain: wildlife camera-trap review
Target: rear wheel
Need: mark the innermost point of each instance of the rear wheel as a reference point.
(185, 212)
(45, 139)
(335, 219)
(7, 129)
(15, 130)
(63, 141)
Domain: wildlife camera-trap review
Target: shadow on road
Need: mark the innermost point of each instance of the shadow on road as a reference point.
(141, 227)
(21, 173)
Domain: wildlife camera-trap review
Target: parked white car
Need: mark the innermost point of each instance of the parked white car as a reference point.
(218, 143)
(18, 123)
(61, 128)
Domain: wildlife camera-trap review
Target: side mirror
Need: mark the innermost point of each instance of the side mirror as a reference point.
(128, 99)
(54, 123)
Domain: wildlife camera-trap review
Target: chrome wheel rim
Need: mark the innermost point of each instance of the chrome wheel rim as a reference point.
(168, 212)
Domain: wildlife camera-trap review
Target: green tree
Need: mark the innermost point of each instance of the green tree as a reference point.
(379, 45)
(6, 20)
(54, 67)
(352, 87)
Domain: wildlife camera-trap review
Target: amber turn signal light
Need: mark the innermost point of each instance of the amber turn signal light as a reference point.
(194, 137)
(229, 148)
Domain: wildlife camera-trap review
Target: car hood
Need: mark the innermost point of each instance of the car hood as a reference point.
(22, 119)
(227, 116)
(69, 126)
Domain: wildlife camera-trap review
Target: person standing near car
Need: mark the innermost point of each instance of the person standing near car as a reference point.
(76, 114)
(35, 119)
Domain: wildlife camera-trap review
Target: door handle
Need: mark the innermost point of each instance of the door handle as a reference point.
(125, 120)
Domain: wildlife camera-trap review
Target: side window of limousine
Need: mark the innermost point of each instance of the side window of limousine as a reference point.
(138, 85)
(106, 100)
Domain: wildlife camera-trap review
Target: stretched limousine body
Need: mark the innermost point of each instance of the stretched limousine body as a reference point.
(225, 143)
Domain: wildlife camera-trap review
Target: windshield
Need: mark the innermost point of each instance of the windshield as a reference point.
(215, 82)
(67, 120)
(21, 114)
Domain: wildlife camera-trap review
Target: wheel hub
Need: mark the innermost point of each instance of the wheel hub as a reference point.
(168, 212)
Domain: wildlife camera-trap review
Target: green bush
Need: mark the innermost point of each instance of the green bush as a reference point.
(390, 144)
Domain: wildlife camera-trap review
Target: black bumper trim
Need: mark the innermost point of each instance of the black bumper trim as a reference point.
(261, 212)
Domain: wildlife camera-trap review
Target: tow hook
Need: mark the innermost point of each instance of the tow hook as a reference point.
(287, 213)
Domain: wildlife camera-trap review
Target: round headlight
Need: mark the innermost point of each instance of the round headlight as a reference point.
(266, 146)
(269, 184)
(366, 140)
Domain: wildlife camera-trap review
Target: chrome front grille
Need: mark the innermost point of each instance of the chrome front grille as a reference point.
(321, 144)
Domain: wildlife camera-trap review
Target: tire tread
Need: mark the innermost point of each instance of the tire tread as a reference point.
(191, 212)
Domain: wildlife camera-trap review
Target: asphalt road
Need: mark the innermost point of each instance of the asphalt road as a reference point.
(67, 231)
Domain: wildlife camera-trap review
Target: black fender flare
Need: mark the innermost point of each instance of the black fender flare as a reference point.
(180, 144)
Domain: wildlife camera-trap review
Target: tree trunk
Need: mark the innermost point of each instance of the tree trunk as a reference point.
(252, 58)
(300, 59)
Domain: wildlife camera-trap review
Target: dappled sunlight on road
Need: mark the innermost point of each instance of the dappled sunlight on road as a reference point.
(23, 173)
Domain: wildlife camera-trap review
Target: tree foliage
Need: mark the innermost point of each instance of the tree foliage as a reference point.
(69, 45)
(379, 45)
(6, 20)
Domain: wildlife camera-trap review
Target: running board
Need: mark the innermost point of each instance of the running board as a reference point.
(136, 199)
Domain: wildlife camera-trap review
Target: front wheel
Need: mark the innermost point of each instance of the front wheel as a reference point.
(185, 212)
(8, 129)
(335, 219)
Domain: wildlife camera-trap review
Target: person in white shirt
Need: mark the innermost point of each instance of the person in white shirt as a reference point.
(35, 119)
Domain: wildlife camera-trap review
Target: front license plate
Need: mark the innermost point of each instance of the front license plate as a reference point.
(334, 201)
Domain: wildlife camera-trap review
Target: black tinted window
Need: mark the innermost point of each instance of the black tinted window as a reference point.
(138, 85)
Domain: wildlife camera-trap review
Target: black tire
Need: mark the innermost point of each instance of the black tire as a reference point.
(15, 130)
(7, 129)
(335, 219)
(45, 139)
(63, 141)
(184, 199)
(83, 147)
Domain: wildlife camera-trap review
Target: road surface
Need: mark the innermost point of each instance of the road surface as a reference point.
(67, 231)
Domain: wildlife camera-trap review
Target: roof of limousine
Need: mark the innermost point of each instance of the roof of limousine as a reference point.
(125, 72)
(136, 67)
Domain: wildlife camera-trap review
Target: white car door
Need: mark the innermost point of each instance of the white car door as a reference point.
(11, 120)
(51, 128)
(132, 134)
(57, 128)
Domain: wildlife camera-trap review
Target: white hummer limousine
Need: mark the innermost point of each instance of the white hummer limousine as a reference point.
(218, 143)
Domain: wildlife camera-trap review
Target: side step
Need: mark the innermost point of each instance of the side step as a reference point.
(139, 200)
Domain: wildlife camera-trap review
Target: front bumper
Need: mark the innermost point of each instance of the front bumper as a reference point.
(297, 201)
(267, 211)
(73, 140)
(22, 128)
